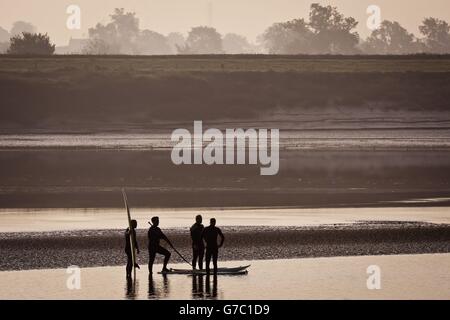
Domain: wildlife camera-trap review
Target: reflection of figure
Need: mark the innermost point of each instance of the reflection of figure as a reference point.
(128, 247)
(210, 235)
(130, 289)
(212, 294)
(151, 287)
(198, 247)
(197, 286)
(166, 289)
(155, 292)
(154, 236)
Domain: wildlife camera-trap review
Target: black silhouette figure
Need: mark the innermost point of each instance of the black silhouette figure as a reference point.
(198, 247)
(128, 247)
(210, 235)
(154, 236)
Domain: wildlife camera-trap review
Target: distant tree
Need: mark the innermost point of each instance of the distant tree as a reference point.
(119, 36)
(4, 47)
(203, 40)
(151, 42)
(4, 35)
(333, 32)
(175, 40)
(99, 47)
(4, 40)
(391, 38)
(291, 37)
(20, 27)
(31, 43)
(437, 35)
(234, 44)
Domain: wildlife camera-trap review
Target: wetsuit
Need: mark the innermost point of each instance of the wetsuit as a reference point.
(154, 236)
(210, 235)
(198, 247)
(128, 249)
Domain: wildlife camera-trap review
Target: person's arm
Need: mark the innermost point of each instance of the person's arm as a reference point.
(202, 236)
(163, 236)
(192, 232)
(222, 237)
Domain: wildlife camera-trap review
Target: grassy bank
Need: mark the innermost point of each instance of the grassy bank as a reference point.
(97, 93)
(146, 65)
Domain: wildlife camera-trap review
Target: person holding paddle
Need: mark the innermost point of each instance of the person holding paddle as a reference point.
(154, 236)
(131, 234)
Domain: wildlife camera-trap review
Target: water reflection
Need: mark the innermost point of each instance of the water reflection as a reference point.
(202, 289)
(131, 289)
(159, 291)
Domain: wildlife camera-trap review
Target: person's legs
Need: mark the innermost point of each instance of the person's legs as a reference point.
(195, 255)
(215, 255)
(129, 264)
(166, 253)
(151, 259)
(201, 252)
(208, 258)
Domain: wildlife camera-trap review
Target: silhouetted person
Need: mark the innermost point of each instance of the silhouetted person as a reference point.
(128, 246)
(154, 236)
(210, 235)
(198, 247)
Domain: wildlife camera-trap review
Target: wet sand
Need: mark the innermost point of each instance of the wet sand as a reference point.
(402, 277)
(85, 248)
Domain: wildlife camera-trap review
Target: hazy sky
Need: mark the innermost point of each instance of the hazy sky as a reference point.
(247, 17)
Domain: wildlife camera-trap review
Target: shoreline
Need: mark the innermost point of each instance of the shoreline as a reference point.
(90, 248)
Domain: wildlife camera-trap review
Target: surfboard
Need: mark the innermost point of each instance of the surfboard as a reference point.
(133, 249)
(223, 270)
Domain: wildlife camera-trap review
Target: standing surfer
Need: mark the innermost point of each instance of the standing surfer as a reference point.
(210, 235)
(154, 236)
(198, 247)
(131, 232)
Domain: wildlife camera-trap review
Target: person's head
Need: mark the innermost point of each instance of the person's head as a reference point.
(198, 218)
(212, 222)
(134, 224)
(155, 221)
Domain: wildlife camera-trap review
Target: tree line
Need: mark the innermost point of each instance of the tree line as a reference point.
(326, 31)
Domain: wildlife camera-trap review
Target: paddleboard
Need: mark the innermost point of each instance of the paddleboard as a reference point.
(224, 270)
